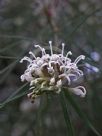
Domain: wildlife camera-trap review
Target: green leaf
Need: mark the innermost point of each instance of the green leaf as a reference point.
(16, 37)
(80, 112)
(7, 57)
(15, 95)
(66, 114)
(10, 67)
(9, 46)
(83, 20)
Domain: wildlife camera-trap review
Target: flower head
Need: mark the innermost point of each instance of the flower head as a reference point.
(51, 72)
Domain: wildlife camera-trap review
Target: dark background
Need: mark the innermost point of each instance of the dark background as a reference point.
(24, 23)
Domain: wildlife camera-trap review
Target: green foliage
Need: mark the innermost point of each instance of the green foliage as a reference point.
(28, 22)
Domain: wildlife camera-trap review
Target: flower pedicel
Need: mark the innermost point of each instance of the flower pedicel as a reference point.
(52, 72)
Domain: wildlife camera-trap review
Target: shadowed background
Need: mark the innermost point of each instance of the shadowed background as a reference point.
(28, 22)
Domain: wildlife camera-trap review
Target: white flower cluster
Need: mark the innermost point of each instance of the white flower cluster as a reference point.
(52, 71)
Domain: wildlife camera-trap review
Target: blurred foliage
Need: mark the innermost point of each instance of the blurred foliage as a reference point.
(27, 22)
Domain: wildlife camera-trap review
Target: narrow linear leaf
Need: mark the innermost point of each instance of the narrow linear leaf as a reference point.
(66, 114)
(7, 57)
(10, 67)
(15, 95)
(17, 91)
(16, 37)
(82, 22)
(9, 47)
(80, 112)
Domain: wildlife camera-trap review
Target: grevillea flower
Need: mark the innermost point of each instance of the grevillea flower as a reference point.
(52, 72)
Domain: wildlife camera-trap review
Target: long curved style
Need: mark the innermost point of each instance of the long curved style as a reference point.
(52, 71)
